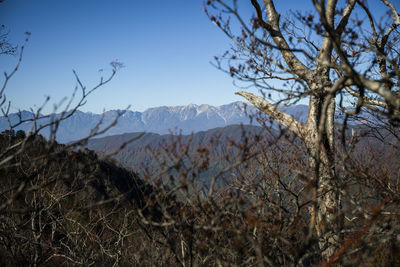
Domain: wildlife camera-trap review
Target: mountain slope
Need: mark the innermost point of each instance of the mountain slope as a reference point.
(150, 150)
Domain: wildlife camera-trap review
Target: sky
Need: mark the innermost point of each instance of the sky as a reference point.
(165, 46)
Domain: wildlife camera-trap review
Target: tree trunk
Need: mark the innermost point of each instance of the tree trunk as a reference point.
(319, 141)
(318, 137)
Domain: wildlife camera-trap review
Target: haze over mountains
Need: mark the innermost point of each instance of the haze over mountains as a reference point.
(160, 120)
(146, 151)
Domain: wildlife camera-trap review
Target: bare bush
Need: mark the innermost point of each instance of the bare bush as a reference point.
(314, 193)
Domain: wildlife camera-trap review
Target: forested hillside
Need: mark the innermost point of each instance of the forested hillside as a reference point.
(64, 206)
(148, 149)
(305, 173)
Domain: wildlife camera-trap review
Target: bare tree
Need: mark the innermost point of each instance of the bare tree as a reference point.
(6, 47)
(45, 215)
(325, 55)
(305, 193)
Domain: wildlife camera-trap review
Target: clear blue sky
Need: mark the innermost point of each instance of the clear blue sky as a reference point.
(166, 47)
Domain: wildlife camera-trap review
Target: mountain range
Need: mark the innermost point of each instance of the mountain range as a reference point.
(160, 120)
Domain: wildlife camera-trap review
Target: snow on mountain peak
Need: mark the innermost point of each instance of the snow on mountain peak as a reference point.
(190, 118)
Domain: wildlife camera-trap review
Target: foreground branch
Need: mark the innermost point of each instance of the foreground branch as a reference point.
(271, 110)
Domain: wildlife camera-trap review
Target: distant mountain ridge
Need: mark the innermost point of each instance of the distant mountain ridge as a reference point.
(160, 120)
(140, 151)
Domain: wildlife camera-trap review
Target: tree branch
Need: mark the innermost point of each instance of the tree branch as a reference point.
(271, 110)
(344, 20)
(272, 26)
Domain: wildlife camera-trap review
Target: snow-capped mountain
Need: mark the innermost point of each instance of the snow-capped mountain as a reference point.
(161, 120)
